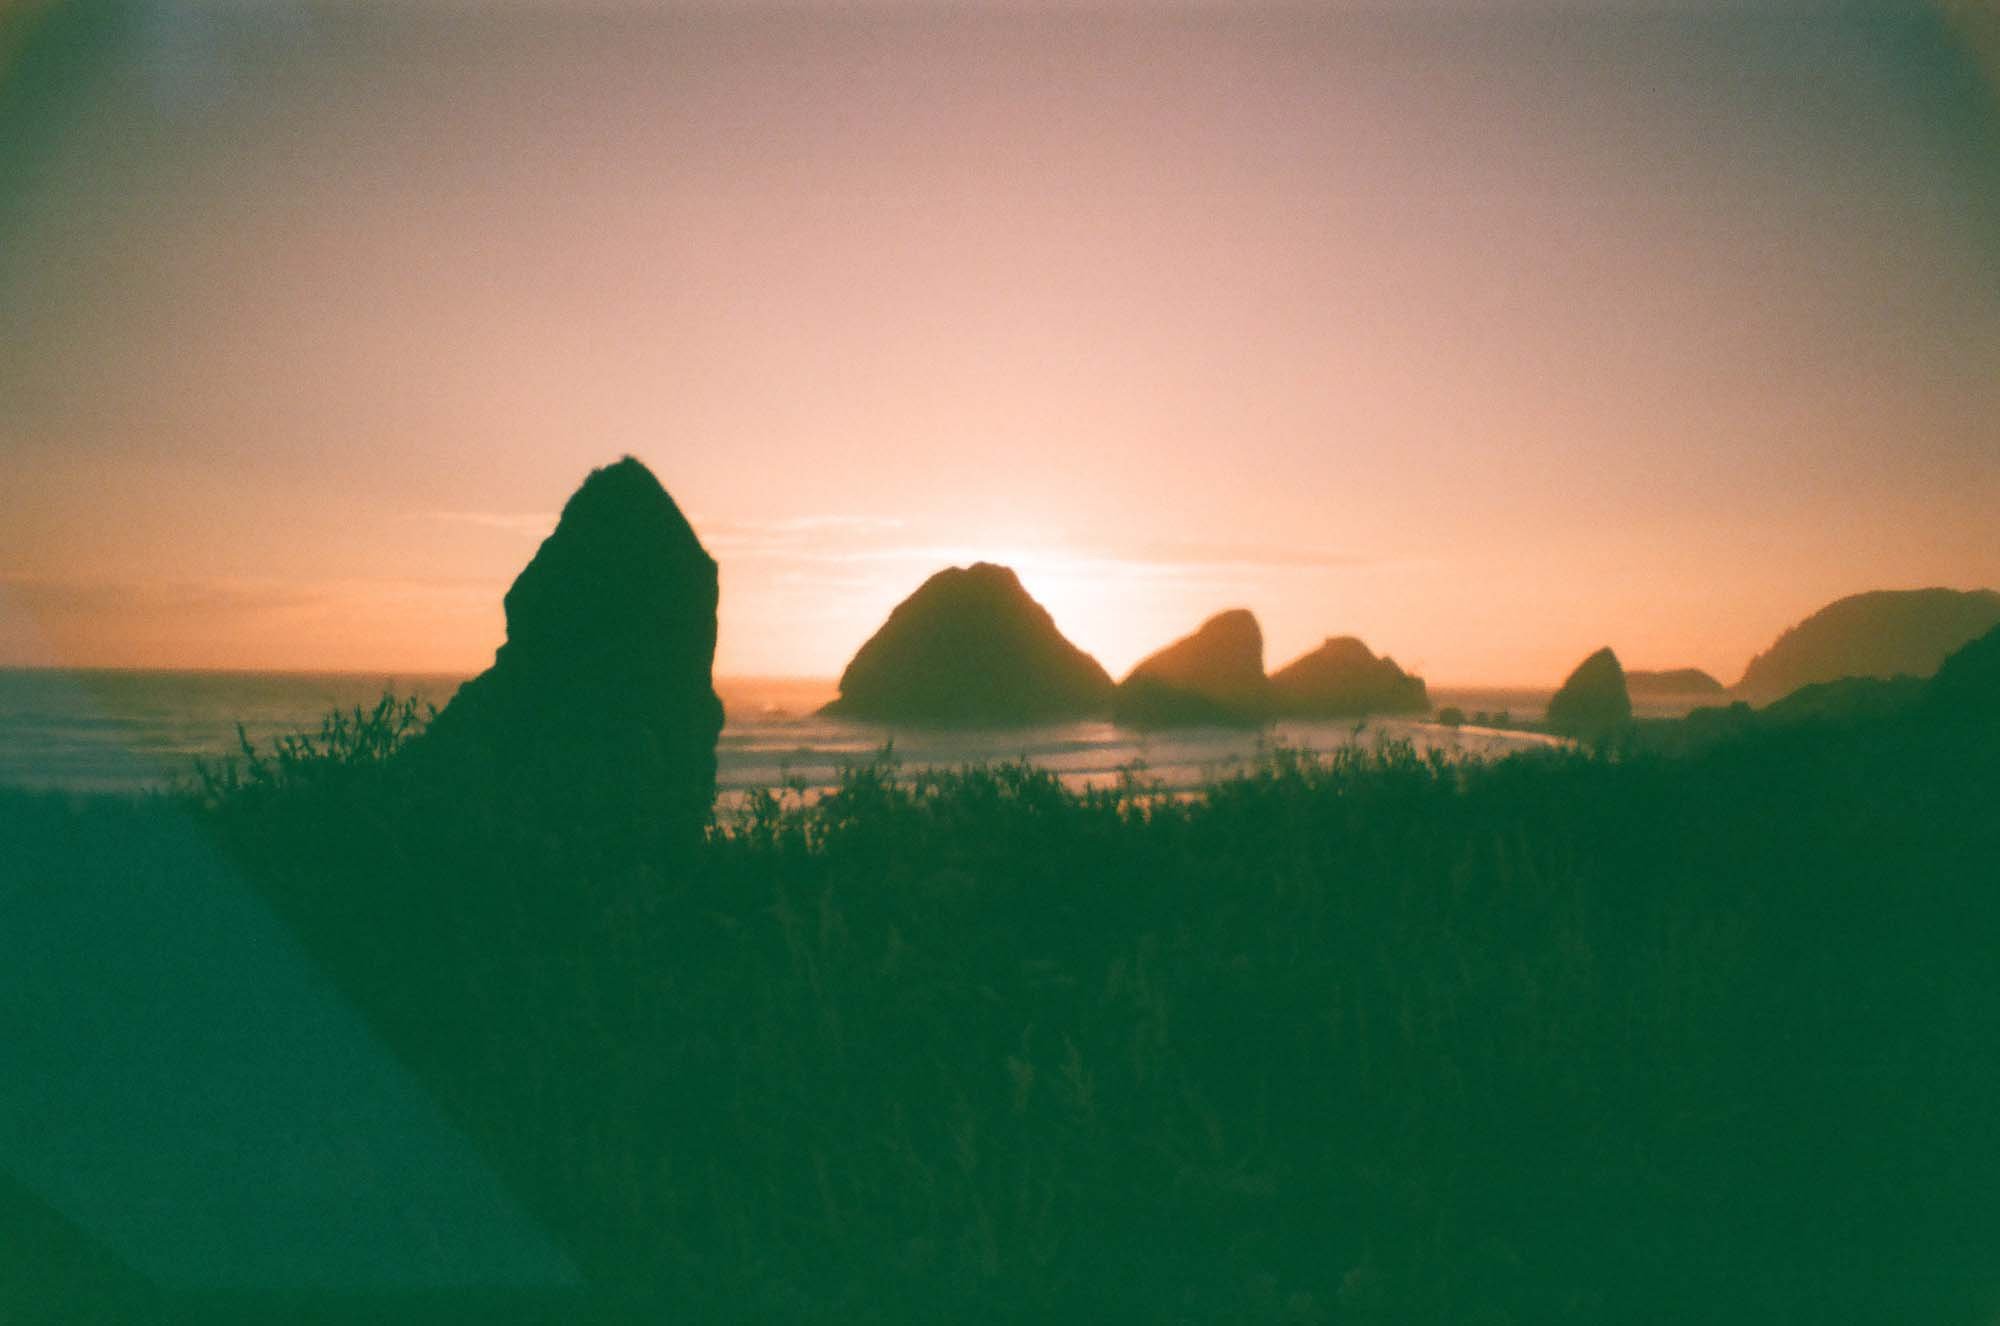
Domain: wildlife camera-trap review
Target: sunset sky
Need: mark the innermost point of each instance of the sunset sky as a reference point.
(1491, 332)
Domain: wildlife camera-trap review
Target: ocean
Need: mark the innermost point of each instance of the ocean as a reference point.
(132, 731)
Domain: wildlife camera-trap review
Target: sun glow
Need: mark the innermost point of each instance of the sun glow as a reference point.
(1478, 350)
(1115, 609)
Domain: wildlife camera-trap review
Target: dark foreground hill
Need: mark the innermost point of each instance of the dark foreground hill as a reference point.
(971, 646)
(1965, 693)
(1370, 1038)
(1960, 705)
(1846, 700)
(1884, 633)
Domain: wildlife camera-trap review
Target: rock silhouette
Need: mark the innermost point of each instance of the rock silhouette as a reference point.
(1215, 675)
(1343, 678)
(1592, 704)
(599, 711)
(970, 646)
(1883, 633)
(1673, 681)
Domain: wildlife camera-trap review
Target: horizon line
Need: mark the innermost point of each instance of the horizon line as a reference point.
(740, 678)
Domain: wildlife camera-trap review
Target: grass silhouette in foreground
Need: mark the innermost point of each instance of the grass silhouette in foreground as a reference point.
(1360, 1037)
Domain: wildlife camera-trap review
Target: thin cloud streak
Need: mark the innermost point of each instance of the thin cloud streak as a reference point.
(533, 524)
(804, 539)
(1165, 564)
(90, 595)
(391, 624)
(794, 535)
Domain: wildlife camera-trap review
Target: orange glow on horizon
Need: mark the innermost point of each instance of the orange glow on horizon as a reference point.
(1459, 340)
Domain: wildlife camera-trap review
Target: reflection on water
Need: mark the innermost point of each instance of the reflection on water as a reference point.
(126, 731)
(770, 751)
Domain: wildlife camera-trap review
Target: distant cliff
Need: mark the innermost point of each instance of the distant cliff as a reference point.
(971, 646)
(1885, 633)
(1343, 678)
(1215, 675)
(1674, 681)
(1959, 706)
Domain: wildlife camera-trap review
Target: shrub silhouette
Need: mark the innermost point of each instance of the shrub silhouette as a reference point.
(350, 743)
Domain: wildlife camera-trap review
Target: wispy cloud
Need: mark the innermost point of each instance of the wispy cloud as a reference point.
(91, 595)
(1151, 561)
(1257, 556)
(393, 623)
(802, 537)
(812, 524)
(835, 539)
(135, 596)
(529, 524)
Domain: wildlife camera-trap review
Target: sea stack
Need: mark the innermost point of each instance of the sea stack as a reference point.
(1673, 683)
(1215, 675)
(971, 647)
(1344, 679)
(1884, 633)
(1592, 705)
(599, 713)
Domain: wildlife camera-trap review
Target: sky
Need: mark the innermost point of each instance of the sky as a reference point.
(1488, 332)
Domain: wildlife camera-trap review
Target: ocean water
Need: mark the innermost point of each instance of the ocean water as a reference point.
(129, 731)
(124, 731)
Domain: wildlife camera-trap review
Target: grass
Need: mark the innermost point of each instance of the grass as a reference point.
(1357, 1037)
(351, 744)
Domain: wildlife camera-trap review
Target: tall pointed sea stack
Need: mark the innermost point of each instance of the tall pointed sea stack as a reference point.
(599, 713)
(971, 647)
(1593, 704)
(1215, 675)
